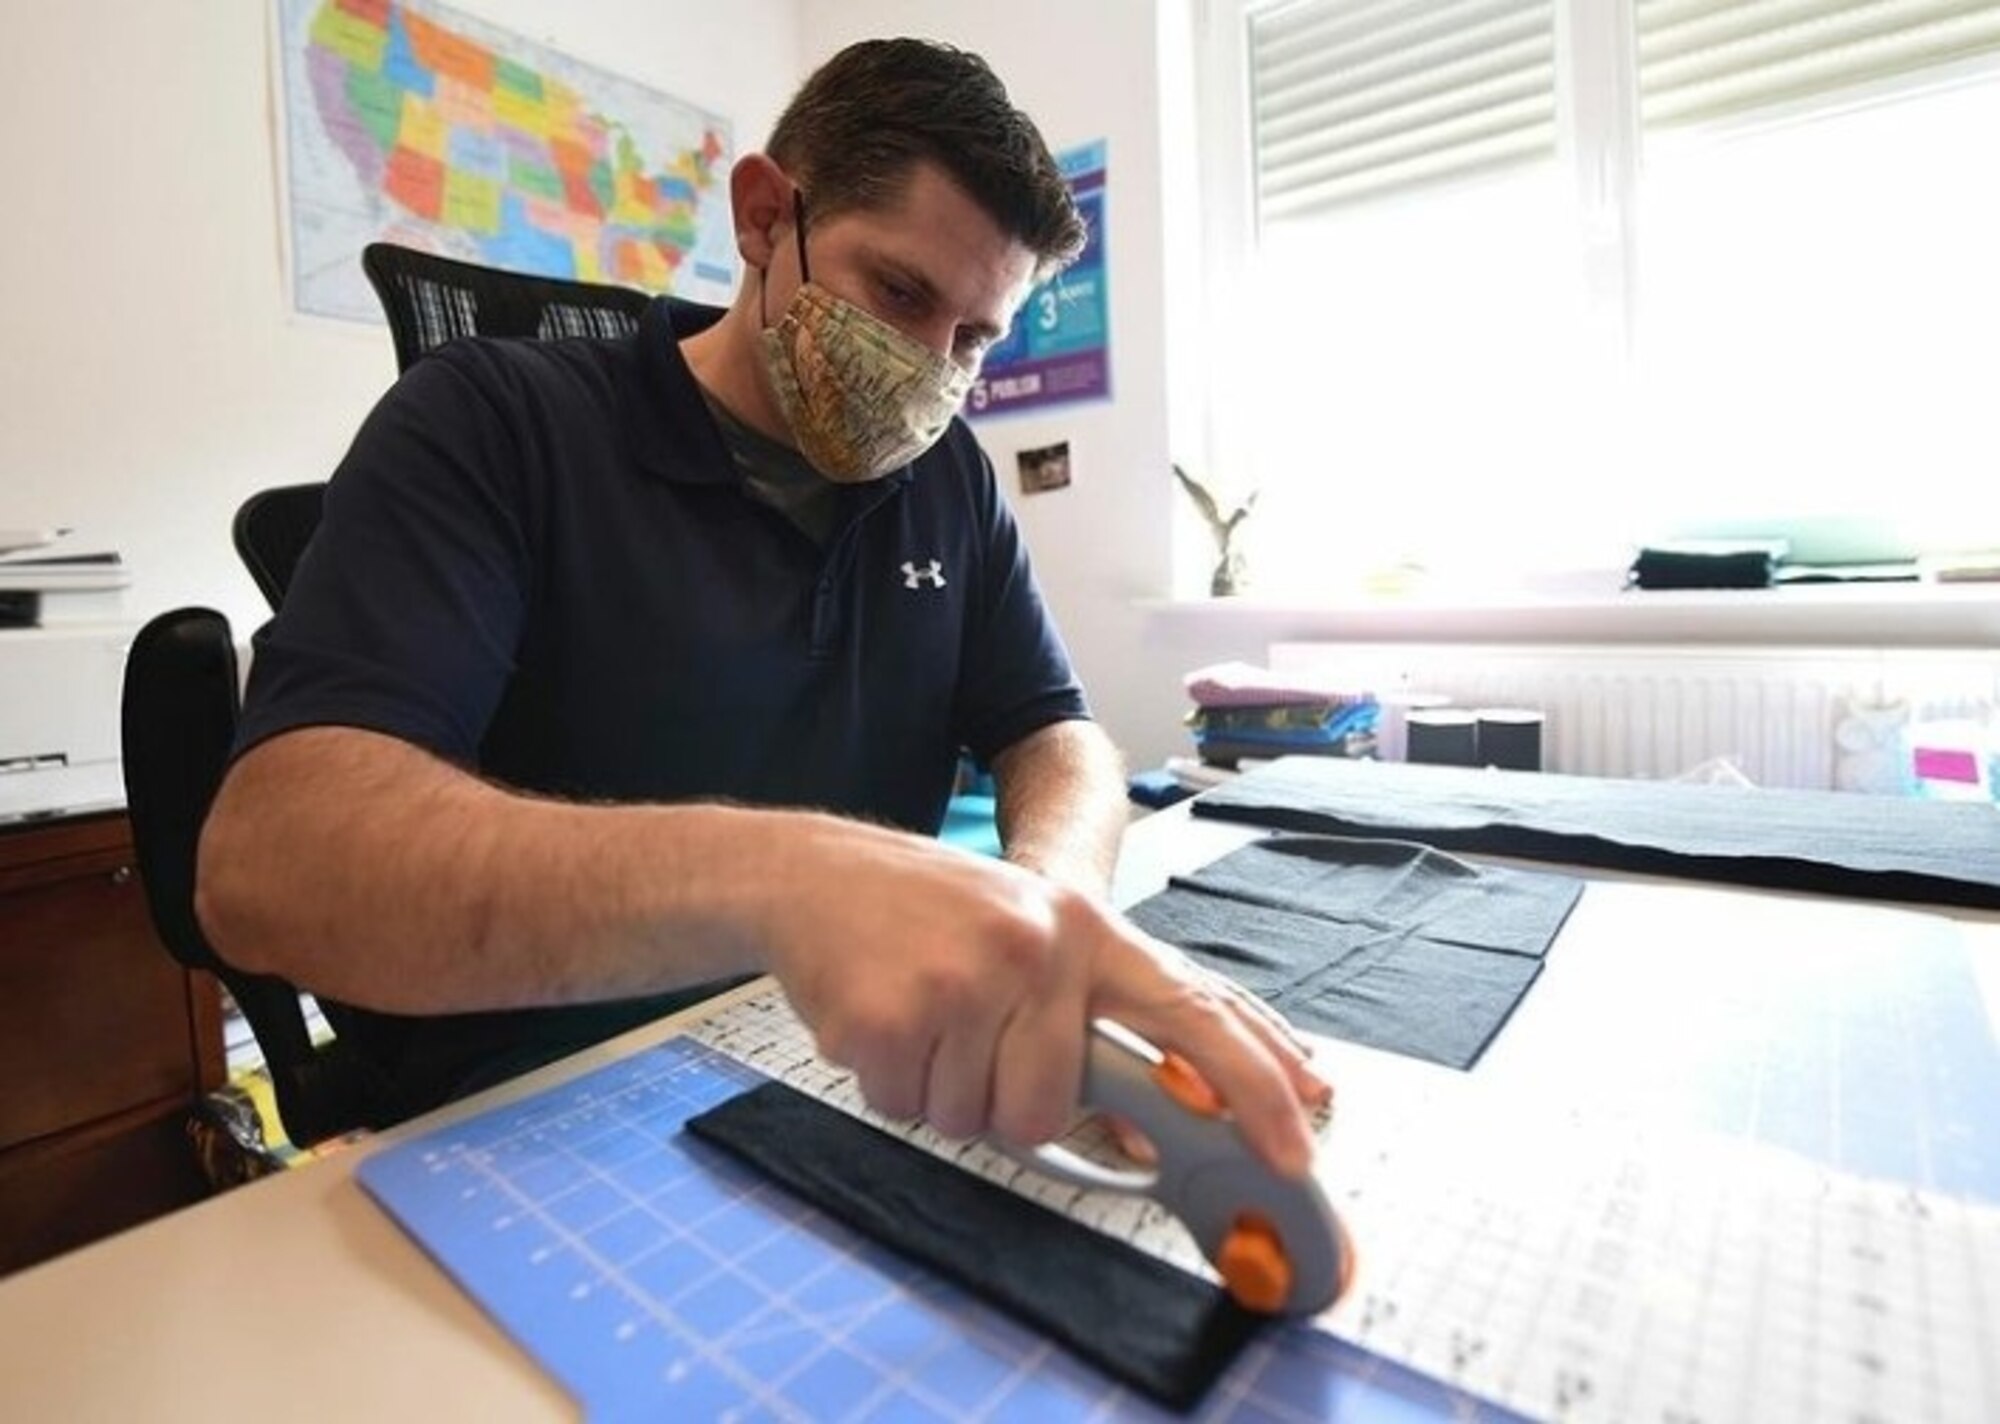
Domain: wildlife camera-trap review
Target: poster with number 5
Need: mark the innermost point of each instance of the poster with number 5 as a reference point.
(1060, 346)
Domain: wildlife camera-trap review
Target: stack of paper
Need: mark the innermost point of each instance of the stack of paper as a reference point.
(57, 576)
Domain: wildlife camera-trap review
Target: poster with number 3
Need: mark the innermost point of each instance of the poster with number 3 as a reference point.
(1059, 347)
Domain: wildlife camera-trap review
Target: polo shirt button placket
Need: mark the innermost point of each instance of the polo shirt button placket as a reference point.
(824, 618)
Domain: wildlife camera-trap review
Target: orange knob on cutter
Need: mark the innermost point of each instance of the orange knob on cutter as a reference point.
(1254, 1266)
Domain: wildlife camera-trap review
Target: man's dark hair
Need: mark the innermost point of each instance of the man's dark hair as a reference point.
(867, 116)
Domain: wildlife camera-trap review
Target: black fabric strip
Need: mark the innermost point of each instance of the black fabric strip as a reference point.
(1138, 1319)
(1829, 842)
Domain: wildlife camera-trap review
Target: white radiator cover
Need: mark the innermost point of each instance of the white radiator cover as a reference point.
(1791, 716)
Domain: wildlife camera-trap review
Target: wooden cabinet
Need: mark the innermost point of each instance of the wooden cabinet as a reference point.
(105, 1043)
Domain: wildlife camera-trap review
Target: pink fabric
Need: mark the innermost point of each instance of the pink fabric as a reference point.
(1947, 764)
(1237, 684)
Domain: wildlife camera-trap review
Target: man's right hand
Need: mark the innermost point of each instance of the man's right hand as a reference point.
(960, 990)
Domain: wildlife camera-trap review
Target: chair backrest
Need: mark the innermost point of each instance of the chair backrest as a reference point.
(430, 300)
(178, 721)
(271, 531)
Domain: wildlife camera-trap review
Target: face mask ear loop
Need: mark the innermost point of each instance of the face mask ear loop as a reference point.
(799, 229)
(764, 272)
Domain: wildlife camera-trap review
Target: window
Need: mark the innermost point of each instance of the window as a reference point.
(1514, 284)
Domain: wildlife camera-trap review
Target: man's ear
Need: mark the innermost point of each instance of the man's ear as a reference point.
(760, 197)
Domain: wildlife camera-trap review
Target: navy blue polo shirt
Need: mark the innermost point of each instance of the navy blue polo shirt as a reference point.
(539, 561)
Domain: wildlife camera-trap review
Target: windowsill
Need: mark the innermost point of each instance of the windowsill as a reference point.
(1903, 614)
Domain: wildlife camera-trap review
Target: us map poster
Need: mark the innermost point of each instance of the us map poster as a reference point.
(412, 123)
(1059, 348)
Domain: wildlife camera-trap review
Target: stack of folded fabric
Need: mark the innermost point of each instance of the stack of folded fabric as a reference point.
(1241, 710)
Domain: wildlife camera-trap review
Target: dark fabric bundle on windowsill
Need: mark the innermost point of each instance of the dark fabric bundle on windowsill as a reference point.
(1753, 564)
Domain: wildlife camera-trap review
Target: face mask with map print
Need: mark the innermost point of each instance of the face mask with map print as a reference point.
(861, 398)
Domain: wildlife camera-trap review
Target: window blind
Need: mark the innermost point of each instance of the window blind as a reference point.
(1351, 99)
(1701, 60)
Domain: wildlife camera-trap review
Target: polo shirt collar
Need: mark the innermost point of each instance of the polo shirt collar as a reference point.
(672, 433)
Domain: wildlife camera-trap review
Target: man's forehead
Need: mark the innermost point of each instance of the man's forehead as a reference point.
(936, 232)
(919, 199)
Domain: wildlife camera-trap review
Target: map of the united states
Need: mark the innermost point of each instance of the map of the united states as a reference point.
(497, 155)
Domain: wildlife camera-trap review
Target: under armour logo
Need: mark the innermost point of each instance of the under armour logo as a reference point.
(913, 577)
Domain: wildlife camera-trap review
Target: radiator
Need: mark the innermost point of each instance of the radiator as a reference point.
(1808, 717)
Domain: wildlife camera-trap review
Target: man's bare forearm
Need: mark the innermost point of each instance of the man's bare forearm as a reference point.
(1062, 804)
(955, 987)
(367, 869)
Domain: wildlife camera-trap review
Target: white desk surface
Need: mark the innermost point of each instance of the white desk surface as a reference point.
(297, 1296)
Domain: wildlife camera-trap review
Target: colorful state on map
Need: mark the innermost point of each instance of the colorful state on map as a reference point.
(456, 135)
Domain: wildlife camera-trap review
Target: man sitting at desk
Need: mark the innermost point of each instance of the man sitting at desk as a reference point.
(620, 668)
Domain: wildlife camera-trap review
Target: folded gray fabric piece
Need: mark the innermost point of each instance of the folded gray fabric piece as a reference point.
(1386, 943)
(1832, 842)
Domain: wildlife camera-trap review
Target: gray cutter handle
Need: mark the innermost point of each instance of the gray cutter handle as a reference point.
(1207, 1175)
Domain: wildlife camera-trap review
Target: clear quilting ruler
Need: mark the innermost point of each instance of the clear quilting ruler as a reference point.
(1577, 1265)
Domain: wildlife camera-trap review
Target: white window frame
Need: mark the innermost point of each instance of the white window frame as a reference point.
(1598, 145)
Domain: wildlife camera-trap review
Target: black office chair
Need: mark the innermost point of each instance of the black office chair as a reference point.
(271, 531)
(178, 722)
(181, 690)
(430, 300)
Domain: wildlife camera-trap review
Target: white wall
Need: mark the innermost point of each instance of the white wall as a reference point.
(1102, 546)
(153, 375)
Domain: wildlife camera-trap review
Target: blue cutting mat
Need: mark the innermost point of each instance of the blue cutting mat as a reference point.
(658, 1279)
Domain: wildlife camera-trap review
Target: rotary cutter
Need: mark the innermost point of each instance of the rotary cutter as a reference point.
(1276, 1242)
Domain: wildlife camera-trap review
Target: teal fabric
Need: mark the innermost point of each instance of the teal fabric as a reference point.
(970, 824)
